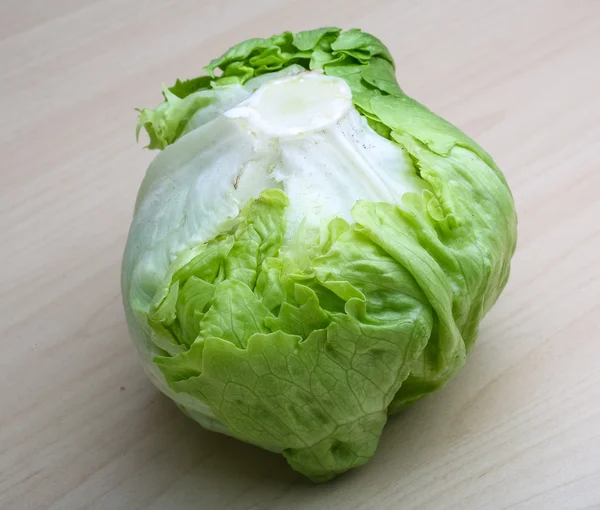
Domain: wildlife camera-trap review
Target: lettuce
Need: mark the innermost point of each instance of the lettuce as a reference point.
(312, 250)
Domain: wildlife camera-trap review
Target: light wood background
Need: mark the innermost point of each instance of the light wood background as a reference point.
(81, 427)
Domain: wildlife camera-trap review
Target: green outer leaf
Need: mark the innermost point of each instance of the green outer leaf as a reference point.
(300, 320)
(235, 314)
(193, 299)
(405, 115)
(182, 89)
(239, 52)
(309, 39)
(354, 39)
(380, 74)
(183, 107)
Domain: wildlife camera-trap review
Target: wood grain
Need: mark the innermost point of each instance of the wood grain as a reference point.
(81, 427)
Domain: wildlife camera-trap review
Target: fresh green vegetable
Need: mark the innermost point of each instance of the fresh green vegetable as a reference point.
(312, 250)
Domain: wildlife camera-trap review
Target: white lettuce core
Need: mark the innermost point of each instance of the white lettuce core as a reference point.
(295, 105)
(298, 133)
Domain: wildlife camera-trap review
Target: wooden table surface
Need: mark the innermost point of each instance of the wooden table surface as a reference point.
(82, 427)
